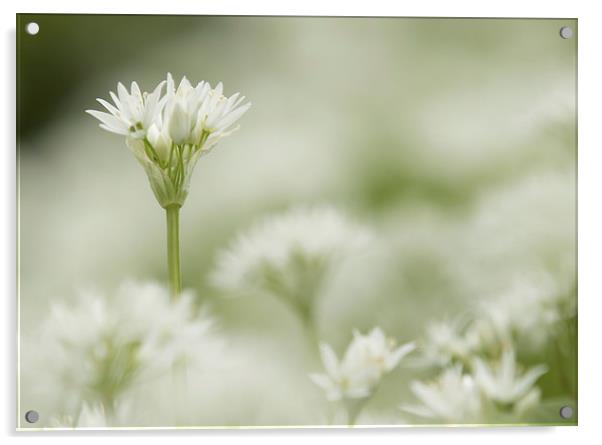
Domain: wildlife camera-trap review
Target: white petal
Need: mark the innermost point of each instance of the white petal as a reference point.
(232, 117)
(419, 411)
(109, 120)
(116, 100)
(329, 359)
(170, 85)
(114, 111)
(322, 380)
(396, 356)
(178, 125)
(135, 89)
(123, 93)
(527, 380)
(114, 130)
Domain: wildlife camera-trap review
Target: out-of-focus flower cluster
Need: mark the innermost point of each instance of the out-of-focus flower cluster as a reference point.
(98, 350)
(492, 392)
(290, 255)
(481, 378)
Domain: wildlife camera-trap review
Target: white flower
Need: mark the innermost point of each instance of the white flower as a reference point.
(530, 312)
(289, 255)
(88, 417)
(447, 343)
(97, 349)
(93, 416)
(180, 116)
(452, 397)
(219, 113)
(132, 113)
(367, 359)
(502, 383)
(167, 134)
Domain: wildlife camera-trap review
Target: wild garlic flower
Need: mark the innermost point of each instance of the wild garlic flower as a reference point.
(525, 311)
(89, 417)
(289, 255)
(453, 397)
(503, 384)
(367, 359)
(448, 343)
(528, 313)
(98, 348)
(167, 133)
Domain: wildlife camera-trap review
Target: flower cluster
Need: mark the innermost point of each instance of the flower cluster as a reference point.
(169, 132)
(88, 417)
(367, 359)
(449, 343)
(99, 348)
(502, 383)
(479, 353)
(491, 389)
(452, 397)
(529, 314)
(289, 255)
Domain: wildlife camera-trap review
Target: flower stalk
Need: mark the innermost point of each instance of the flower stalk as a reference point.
(172, 213)
(168, 133)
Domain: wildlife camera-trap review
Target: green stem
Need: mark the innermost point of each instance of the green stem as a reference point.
(173, 250)
(353, 407)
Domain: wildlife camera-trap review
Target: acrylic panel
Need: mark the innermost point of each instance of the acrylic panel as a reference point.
(296, 221)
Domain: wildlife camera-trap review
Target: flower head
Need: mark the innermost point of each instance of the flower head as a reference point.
(447, 343)
(452, 397)
(89, 417)
(168, 133)
(367, 359)
(502, 383)
(94, 415)
(99, 348)
(289, 255)
(527, 311)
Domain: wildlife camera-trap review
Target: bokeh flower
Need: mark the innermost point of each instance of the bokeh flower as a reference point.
(89, 417)
(502, 382)
(452, 397)
(448, 342)
(367, 359)
(289, 255)
(527, 311)
(99, 348)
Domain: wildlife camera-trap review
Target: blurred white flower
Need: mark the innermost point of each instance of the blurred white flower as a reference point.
(94, 416)
(367, 359)
(99, 348)
(447, 343)
(89, 417)
(502, 383)
(452, 397)
(289, 255)
(169, 133)
(529, 311)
